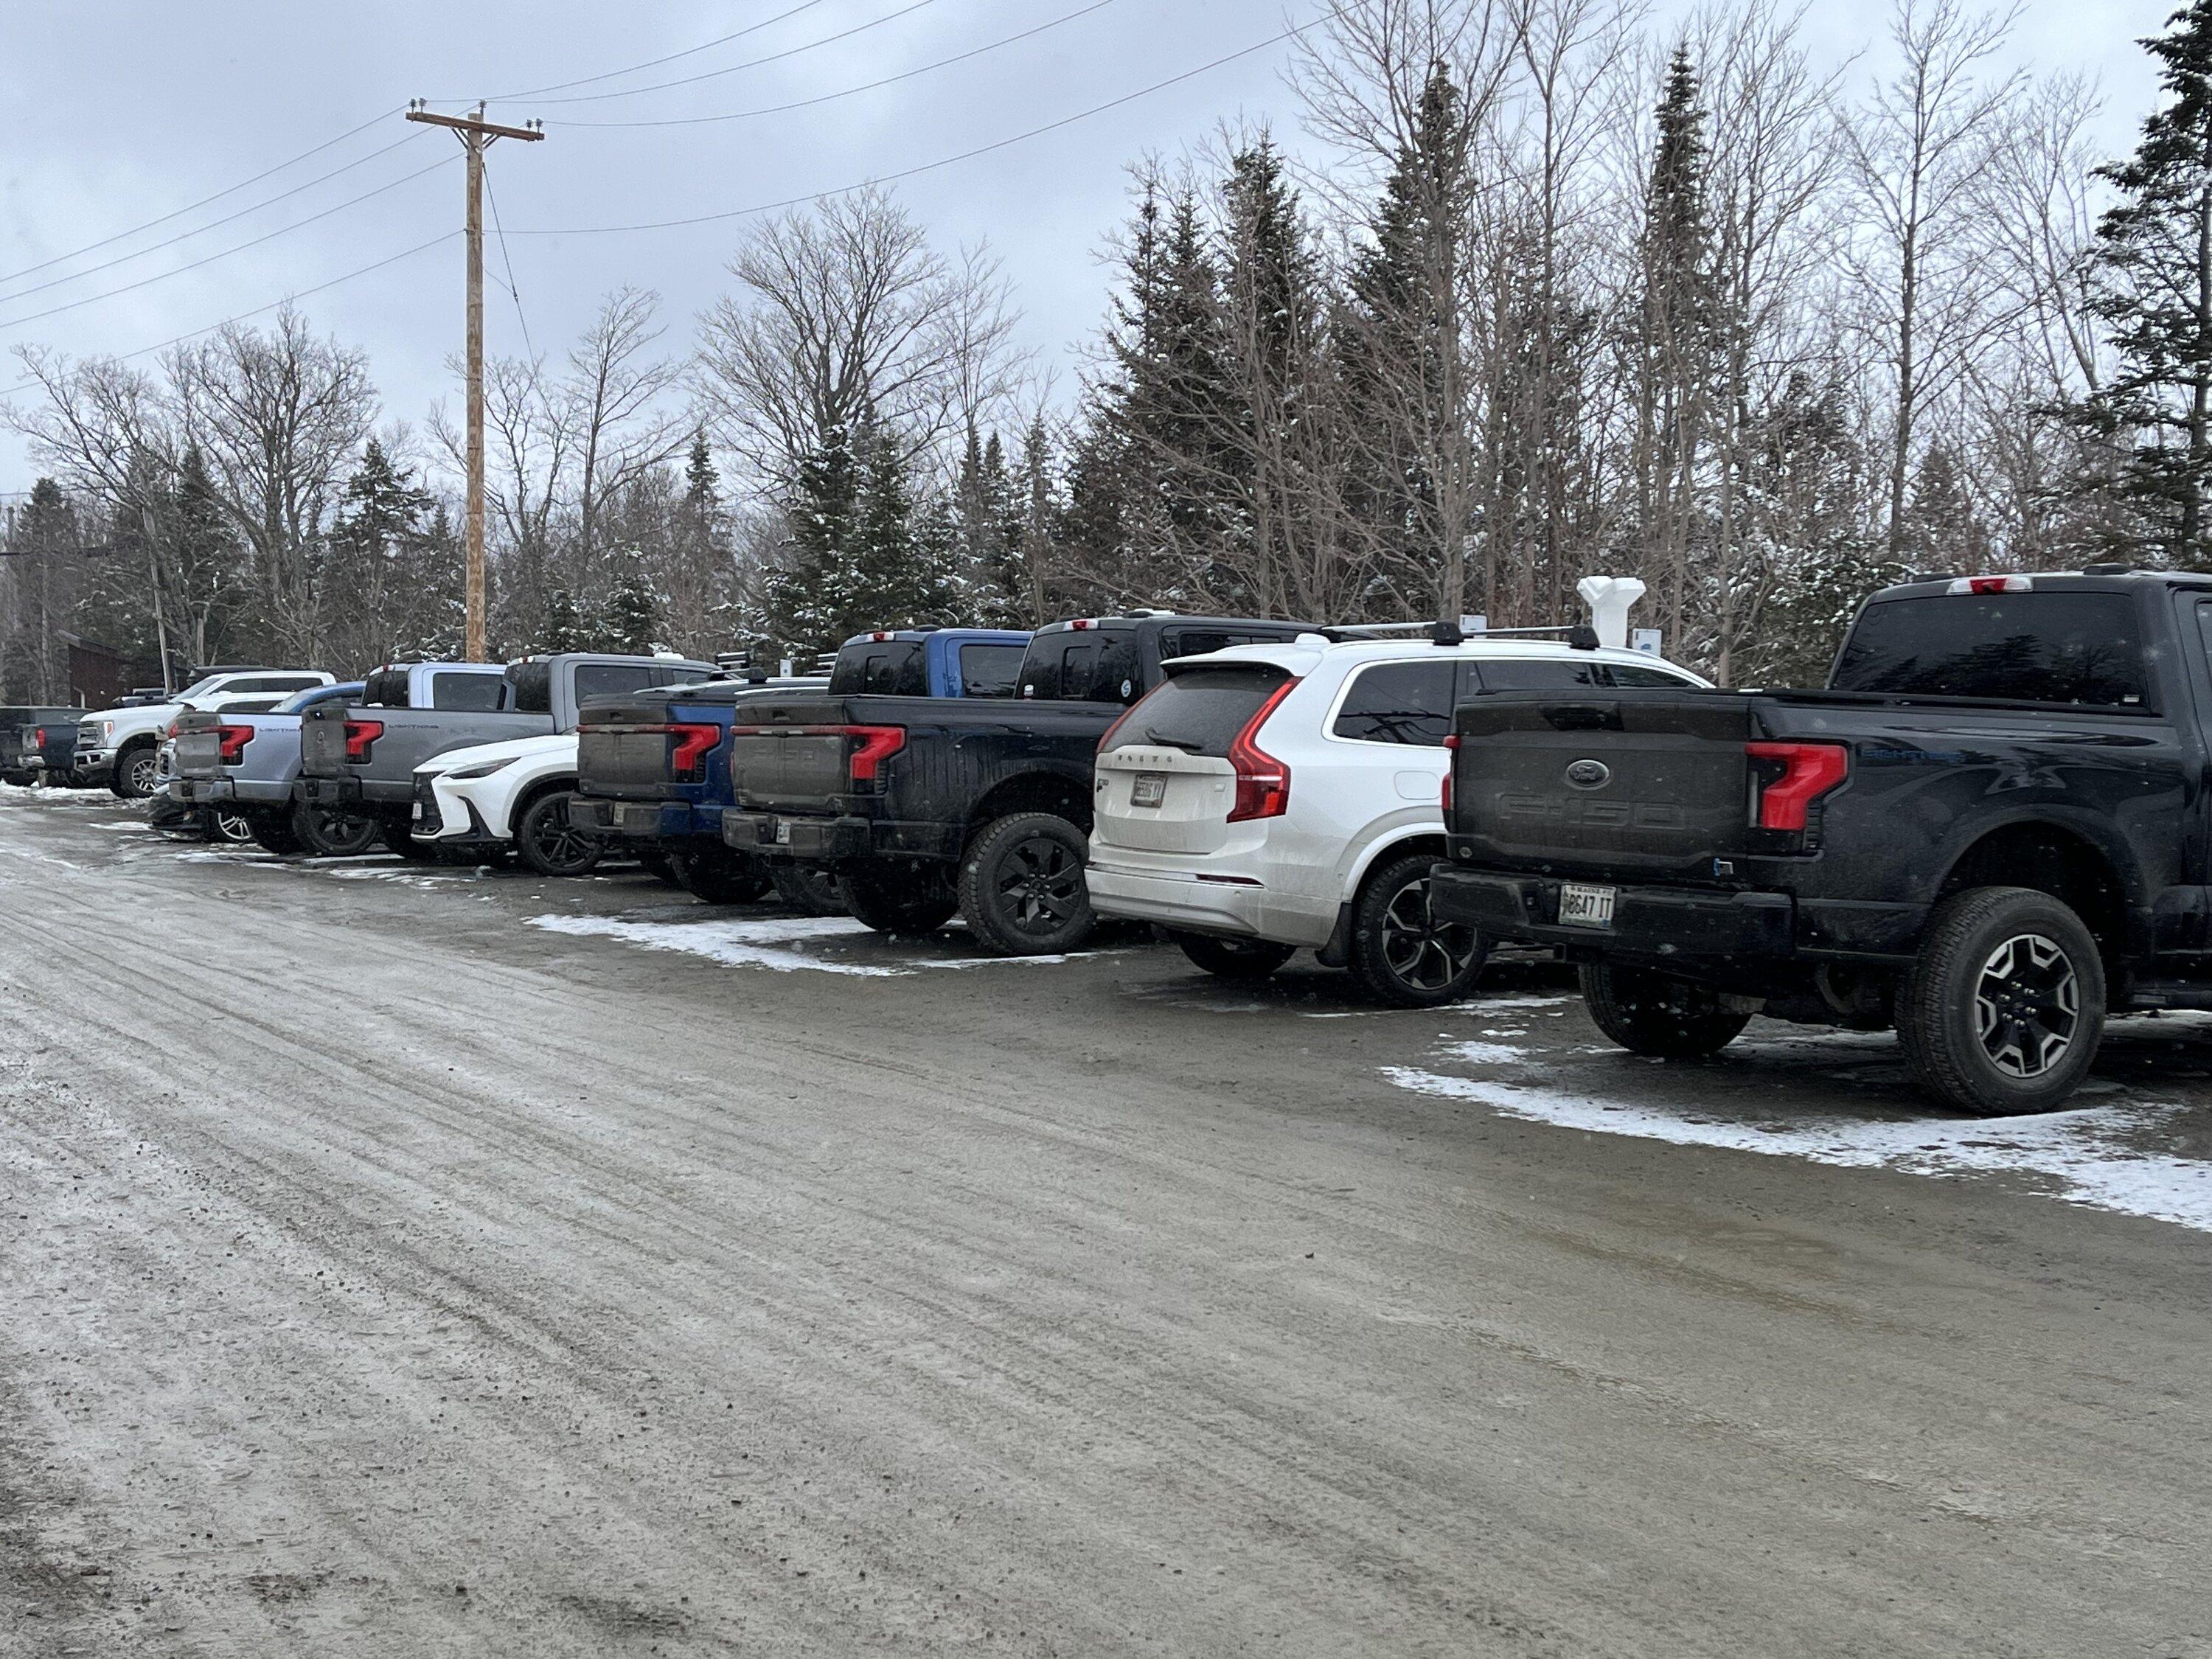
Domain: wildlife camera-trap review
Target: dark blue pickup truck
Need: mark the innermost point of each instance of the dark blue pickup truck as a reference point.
(653, 769)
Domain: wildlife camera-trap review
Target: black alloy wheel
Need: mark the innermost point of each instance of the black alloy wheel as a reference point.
(810, 888)
(1022, 890)
(551, 844)
(718, 875)
(331, 834)
(918, 896)
(228, 826)
(1402, 953)
(2003, 1010)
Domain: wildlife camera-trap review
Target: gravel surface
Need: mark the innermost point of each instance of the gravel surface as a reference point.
(405, 1261)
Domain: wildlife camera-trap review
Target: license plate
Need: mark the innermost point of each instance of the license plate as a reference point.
(1586, 907)
(783, 835)
(1150, 789)
(415, 810)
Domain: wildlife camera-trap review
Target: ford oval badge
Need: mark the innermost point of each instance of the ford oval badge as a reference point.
(1588, 775)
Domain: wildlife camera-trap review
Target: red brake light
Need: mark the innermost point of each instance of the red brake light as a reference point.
(1451, 759)
(687, 756)
(360, 737)
(1080, 623)
(1992, 584)
(1263, 783)
(231, 741)
(39, 738)
(1809, 770)
(877, 745)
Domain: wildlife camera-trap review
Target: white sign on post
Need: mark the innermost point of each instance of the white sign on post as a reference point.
(1646, 639)
(1474, 624)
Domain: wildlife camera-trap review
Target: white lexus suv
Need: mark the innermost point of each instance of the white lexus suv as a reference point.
(1270, 798)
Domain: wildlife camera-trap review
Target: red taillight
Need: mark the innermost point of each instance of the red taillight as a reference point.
(360, 737)
(1992, 585)
(1809, 771)
(1451, 759)
(878, 743)
(1263, 783)
(39, 739)
(231, 741)
(687, 754)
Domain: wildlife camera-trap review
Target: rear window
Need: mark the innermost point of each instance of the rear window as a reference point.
(1400, 702)
(990, 670)
(1097, 665)
(1201, 710)
(474, 693)
(2023, 648)
(887, 668)
(602, 679)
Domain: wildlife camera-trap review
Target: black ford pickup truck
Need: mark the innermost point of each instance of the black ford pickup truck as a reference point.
(1990, 829)
(926, 805)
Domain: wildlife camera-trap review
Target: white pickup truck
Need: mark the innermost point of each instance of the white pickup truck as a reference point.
(120, 747)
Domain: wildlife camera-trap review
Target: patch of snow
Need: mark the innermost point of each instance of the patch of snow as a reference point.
(122, 824)
(770, 944)
(1484, 1053)
(2086, 1154)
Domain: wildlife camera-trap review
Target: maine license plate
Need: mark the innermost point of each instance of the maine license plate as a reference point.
(1586, 907)
(1150, 789)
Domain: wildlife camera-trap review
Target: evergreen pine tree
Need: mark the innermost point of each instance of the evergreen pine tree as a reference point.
(563, 628)
(633, 610)
(810, 596)
(2152, 287)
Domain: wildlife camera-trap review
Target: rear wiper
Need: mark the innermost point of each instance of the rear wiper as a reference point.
(1152, 736)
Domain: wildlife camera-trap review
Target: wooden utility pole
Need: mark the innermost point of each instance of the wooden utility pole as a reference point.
(476, 136)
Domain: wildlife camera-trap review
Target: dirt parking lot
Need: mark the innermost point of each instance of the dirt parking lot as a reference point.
(440, 1262)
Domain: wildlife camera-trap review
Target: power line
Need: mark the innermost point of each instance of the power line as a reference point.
(283, 230)
(213, 224)
(228, 190)
(870, 86)
(650, 63)
(239, 316)
(750, 63)
(943, 161)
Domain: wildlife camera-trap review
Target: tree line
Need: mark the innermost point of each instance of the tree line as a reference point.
(1529, 293)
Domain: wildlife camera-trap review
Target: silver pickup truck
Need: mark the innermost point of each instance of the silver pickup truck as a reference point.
(359, 761)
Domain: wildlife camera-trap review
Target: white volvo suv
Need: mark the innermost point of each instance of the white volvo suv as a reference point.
(1270, 798)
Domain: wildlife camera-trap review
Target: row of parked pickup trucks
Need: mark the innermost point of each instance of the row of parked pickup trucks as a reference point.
(1989, 831)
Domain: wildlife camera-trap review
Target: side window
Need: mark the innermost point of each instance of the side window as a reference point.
(1197, 642)
(602, 679)
(1076, 663)
(1634, 674)
(474, 693)
(1408, 703)
(1538, 673)
(988, 670)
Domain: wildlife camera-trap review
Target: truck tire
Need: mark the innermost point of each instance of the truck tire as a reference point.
(550, 844)
(716, 875)
(328, 835)
(1649, 1012)
(1022, 891)
(900, 898)
(136, 769)
(1400, 954)
(2002, 1012)
(812, 889)
(274, 833)
(1233, 958)
(655, 863)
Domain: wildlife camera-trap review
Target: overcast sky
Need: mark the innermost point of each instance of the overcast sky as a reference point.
(123, 111)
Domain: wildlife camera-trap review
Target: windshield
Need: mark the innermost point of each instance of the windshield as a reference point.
(313, 694)
(2050, 647)
(199, 686)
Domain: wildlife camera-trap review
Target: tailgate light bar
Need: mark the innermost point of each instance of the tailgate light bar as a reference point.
(231, 741)
(1451, 760)
(1809, 770)
(360, 737)
(686, 756)
(878, 743)
(1992, 585)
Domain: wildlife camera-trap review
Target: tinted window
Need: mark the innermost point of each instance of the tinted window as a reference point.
(1629, 674)
(989, 670)
(252, 705)
(315, 694)
(600, 679)
(1538, 673)
(1094, 666)
(474, 693)
(1400, 702)
(2028, 647)
(1202, 709)
(888, 668)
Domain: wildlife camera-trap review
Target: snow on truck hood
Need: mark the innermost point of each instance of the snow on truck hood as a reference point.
(551, 743)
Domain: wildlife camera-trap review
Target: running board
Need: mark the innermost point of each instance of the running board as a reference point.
(2169, 993)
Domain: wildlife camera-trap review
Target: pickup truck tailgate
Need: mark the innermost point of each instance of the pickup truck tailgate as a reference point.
(622, 749)
(199, 747)
(322, 741)
(1653, 781)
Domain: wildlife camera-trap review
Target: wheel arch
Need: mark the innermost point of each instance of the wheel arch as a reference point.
(1411, 837)
(1034, 791)
(2050, 856)
(526, 796)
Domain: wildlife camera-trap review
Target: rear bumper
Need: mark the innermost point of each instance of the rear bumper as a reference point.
(645, 820)
(1185, 900)
(830, 840)
(358, 796)
(245, 791)
(1658, 922)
